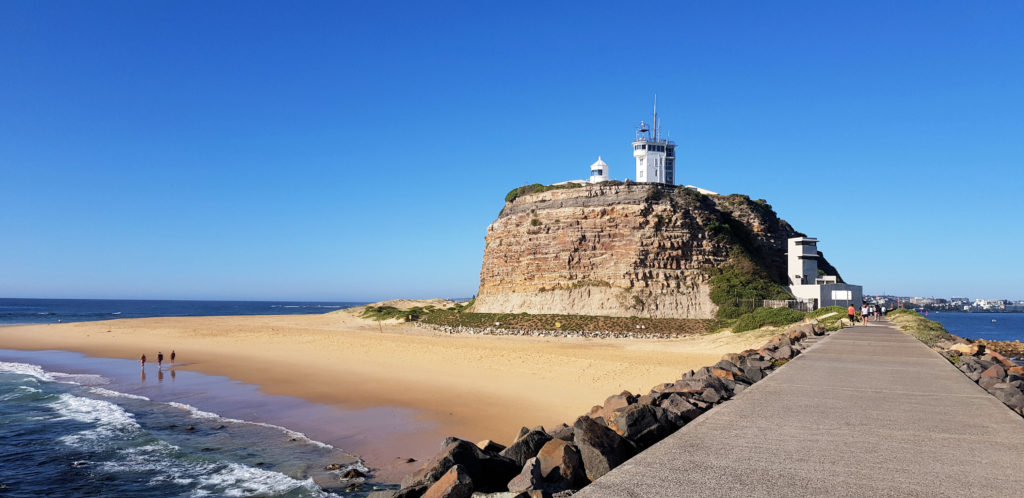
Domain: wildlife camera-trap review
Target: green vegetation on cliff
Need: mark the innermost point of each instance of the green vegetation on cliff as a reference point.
(536, 187)
(740, 279)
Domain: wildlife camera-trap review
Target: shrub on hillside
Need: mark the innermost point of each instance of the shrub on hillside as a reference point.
(761, 317)
(536, 187)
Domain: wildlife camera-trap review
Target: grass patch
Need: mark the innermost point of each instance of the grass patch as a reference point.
(535, 188)
(569, 323)
(761, 317)
(390, 313)
(834, 322)
(925, 330)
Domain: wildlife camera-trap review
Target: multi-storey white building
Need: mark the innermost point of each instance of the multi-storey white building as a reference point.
(806, 284)
(655, 157)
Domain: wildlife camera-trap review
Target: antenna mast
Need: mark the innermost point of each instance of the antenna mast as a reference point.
(655, 130)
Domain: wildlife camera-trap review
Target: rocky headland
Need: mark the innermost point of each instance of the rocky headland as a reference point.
(625, 249)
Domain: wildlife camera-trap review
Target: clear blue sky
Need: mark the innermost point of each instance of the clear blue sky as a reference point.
(358, 150)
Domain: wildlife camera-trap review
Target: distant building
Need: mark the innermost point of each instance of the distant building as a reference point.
(805, 283)
(655, 157)
(599, 171)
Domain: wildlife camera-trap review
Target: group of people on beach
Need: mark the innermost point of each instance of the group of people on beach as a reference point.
(159, 359)
(872, 312)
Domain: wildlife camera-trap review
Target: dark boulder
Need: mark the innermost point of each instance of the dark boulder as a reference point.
(490, 446)
(994, 372)
(1009, 395)
(414, 491)
(784, 353)
(682, 408)
(526, 447)
(987, 383)
(601, 448)
(488, 471)
(530, 479)
(561, 465)
(645, 425)
(455, 483)
(563, 432)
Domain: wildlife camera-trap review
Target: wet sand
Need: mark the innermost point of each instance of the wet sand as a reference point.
(474, 387)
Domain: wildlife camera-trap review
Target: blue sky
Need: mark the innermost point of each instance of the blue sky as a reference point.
(358, 151)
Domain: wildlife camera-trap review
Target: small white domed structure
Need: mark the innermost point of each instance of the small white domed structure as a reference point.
(599, 171)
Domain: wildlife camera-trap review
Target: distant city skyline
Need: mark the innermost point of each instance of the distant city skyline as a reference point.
(354, 152)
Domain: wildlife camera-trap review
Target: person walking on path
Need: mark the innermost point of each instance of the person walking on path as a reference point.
(864, 314)
(159, 359)
(852, 312)
(142, 361)
(172, 357)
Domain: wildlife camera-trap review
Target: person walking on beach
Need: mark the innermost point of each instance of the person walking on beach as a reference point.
(852, 312)
(159, 359)
(142, 361)
(172, 357)
(864, 314)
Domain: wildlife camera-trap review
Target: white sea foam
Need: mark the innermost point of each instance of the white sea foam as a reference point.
(161, 460)
(82, 379)
(25, 369)
(197, 413)
(41, 374)
(109, 420)
(241, 480)
(116, 394)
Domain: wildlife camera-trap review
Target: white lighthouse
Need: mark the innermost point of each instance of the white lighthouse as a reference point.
(655, 157)
(599, 171)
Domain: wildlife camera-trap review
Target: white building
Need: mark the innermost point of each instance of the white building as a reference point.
(599, 171)
(655, 157)
(806, 284)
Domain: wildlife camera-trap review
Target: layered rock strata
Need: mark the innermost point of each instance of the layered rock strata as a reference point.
(618, 249)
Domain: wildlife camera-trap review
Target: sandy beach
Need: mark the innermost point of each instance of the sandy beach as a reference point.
(474, 387)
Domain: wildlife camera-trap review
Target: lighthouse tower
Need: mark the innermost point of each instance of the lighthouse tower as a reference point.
(655, 157)
(599, 171)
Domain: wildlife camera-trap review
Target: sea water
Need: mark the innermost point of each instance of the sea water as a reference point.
(77, 434)
(988, 326)
(13, 311)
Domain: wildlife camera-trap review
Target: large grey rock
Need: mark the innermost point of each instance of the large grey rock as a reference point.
(644, 425)
(529, 479)
(1009, 395)
(455, 483)
(488, 471)
(526, 447)
(563, 432)
(681, 407)
(601, 448)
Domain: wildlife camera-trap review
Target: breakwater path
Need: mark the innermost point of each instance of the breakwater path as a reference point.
(866, 411)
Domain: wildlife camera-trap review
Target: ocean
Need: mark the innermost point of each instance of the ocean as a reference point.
(13, 311)
(75, 425)
(109, 432)
(989, 326)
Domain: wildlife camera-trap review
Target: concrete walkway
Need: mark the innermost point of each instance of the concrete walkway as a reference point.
(866, 411)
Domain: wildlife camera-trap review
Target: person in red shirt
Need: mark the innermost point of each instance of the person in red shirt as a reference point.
(852, 312)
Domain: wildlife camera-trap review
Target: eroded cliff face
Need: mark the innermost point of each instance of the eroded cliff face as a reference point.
(622, 250)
